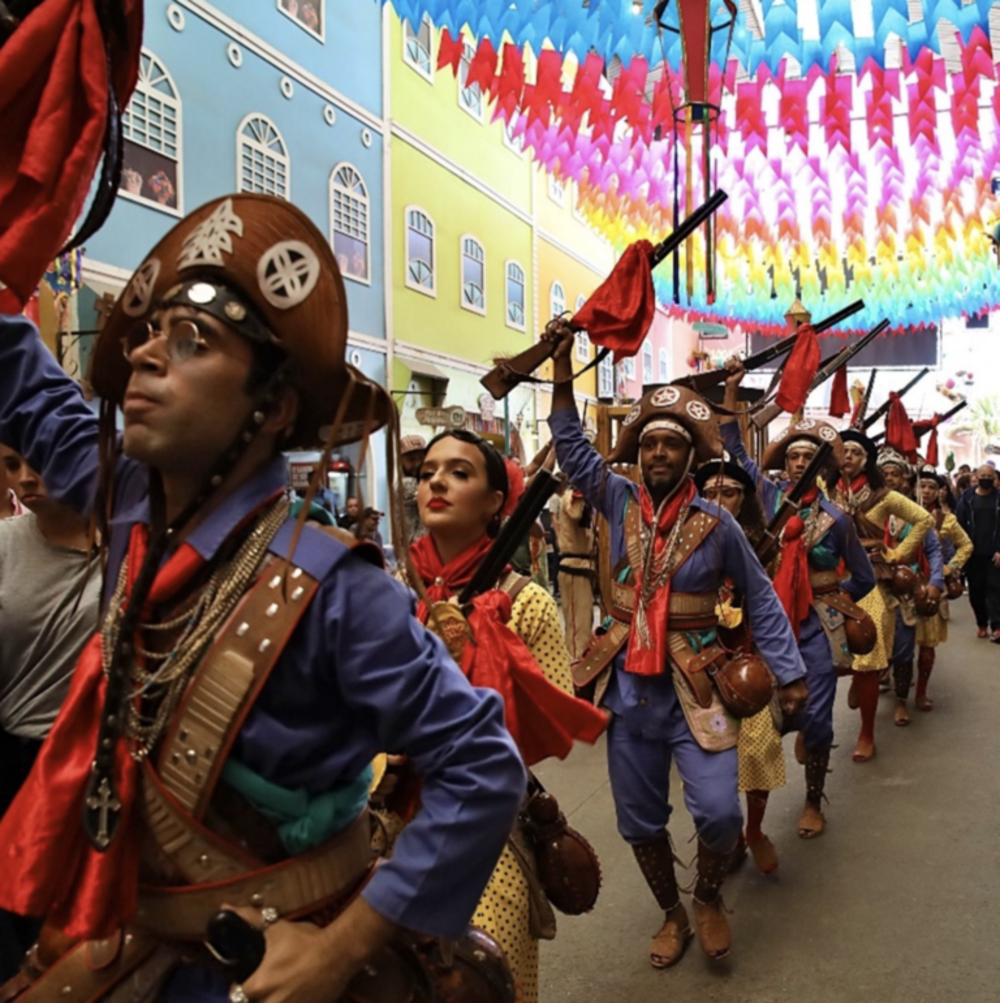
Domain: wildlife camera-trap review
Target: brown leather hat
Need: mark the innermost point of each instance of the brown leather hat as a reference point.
(281, 283)
(673, 403)
(810, 429)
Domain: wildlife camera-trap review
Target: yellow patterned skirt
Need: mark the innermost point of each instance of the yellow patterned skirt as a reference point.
(503, 912)
(761, 758)
(931, 631)
(881, 606)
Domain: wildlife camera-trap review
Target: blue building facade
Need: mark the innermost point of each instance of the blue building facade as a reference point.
(277, 96)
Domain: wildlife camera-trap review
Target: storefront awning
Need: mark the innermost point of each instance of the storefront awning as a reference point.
(422, 368)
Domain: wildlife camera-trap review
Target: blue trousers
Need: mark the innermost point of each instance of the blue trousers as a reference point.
(905, 642)
(815, 721)
(639, 766)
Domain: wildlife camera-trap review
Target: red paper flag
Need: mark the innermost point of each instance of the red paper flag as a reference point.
(803, 361)
(450, 50)
(840, 401)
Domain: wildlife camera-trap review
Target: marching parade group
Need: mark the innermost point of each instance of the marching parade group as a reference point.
(277, 772)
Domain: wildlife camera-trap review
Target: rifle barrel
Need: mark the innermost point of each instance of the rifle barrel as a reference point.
(839, 317)
(883, 408)
(684, 229)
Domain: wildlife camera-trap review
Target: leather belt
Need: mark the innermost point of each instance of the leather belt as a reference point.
(822, 582)
(693, 622)
(297, 887)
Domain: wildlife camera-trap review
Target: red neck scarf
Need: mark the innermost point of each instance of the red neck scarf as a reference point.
(543, 720)
(791, 582)
(647, 642)
(47, 865)
(855, 486)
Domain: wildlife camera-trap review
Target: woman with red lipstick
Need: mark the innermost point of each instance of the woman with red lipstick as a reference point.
(515, 632)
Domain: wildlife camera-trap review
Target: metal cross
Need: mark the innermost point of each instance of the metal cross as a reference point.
(103, 802)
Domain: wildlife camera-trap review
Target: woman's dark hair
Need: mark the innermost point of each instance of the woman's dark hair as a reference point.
(751, 518)
(496, 468)
(874, 474)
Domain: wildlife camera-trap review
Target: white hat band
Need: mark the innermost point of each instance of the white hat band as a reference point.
(664, 425)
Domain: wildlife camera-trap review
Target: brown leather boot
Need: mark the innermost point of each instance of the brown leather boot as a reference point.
(655, 858)
(709, 910)
(813, 821)
(925, 665)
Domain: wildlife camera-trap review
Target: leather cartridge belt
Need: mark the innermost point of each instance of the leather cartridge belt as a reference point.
(693, 611)
(297, 887)
(822, 582)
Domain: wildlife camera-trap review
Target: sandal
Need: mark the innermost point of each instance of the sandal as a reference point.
(812, 823)
(901, 716)
(863, 754)
(671, 941)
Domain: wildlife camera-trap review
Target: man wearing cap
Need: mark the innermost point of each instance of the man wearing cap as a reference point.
(807, 581)
(412, 449)
(928, 566)
(671, 552)
(862, 493)
(220, 729)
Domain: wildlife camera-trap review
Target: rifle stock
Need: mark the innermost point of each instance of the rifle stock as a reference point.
(510, 373)
(765, 415)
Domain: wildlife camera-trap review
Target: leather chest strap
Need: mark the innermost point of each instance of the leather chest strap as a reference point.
(823, 524)
(228, 682)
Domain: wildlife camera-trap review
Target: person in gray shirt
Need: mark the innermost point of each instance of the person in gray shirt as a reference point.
(48, 611)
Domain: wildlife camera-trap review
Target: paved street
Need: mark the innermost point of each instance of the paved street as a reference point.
(898, 901)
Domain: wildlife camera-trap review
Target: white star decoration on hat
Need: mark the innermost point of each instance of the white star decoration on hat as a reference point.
(206, 242)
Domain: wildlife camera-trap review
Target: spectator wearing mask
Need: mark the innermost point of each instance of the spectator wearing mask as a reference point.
(978, 513)
(49, 594)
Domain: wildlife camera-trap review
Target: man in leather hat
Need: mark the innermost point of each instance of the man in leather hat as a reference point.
(671, 552)
(274, 660)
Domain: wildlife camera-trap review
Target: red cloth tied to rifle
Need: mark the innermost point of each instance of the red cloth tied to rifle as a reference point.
(931, 425)
(840, 401)
(799, 370)
(791, 582)
(543, 720)
(54, 107)
(620, 312)
(47, 865)
(899, 430)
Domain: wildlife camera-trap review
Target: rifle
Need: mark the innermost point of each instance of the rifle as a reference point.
(513, 531)
(865, 400)
(768, 546)
(509, 373)
(700, 382)
(827, 368)
(926, 426)
(883, 409)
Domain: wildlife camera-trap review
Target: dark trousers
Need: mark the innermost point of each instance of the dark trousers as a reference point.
(17, 933)
(984, 590)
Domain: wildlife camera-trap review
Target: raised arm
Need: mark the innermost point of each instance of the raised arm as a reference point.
(44, 417)
(906, 511)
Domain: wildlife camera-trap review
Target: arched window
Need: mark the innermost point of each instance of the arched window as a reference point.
(664, 368)
(515, 296)
(473, 275)
(420, 251)
(349, 218)
(647, 361)
(606, 377)
(557, 299)
(151, 125)
(469, 98)
(582, 338)
(262, 158)
(418, 47)
(307, 14)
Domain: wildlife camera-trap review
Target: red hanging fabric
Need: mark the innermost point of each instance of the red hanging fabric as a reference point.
(920, 427)
(620, 311)
(791, 582)
(450, 50)
(799, 370)
(53, 104)
(899, 430)
(840, 401)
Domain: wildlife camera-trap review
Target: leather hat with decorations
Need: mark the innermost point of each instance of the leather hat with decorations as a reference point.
(670, 404)
(261, 266)
(809, 430)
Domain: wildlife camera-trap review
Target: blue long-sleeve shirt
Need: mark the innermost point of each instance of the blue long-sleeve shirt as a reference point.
(839, 543)
(724, 554)
(359, 675)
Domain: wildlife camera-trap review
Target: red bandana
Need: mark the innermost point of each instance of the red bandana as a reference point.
(791, 582)
(47, 865)
(543, 720)
(855, 486)
(647, 655)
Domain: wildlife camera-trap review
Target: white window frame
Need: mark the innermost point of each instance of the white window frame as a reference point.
(147, 86)
(474, 109)
(508, 265)
(322, 20)
(606, 374)
(408, 33)
(582, 338)
(664, 372)
(515, 145)
(554, 301)
(347, 192)
(628, 367)
(647, 361)
(468, 243)
(430, 290)
(557, 190)
(266, 148)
